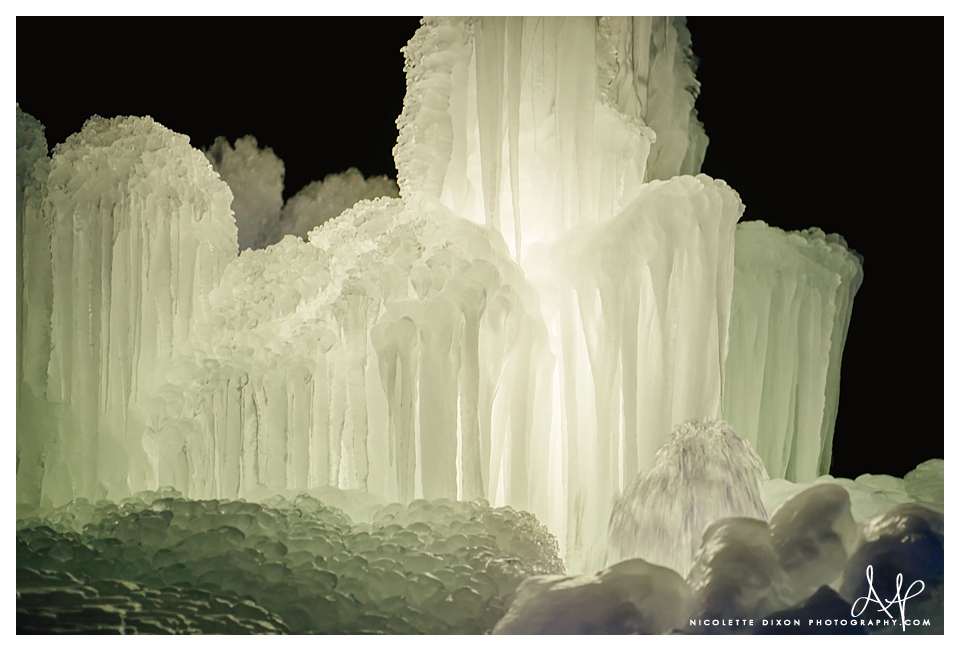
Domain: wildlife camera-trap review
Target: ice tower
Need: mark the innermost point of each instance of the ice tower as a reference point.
(556, 288)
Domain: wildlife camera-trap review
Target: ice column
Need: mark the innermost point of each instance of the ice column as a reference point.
(139, 233)
(34, 296)
(540, 128)
(792, 300)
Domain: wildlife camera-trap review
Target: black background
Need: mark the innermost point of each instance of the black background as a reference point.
(828, 122)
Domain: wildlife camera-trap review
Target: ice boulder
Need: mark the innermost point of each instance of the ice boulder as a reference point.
(631, 597)
(737, 573)
(813, 534)
(902, 558)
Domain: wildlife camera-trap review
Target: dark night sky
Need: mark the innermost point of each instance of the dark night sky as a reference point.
(836, 123)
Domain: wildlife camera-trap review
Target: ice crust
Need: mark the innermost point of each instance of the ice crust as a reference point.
(157, 562)
(705, 472)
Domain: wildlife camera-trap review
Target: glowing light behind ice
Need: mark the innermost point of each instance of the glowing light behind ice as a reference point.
(556, 289)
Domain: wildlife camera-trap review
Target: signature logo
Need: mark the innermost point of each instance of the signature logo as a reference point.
(885, 604)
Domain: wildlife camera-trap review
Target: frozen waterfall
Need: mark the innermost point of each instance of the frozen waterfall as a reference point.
(556, 288)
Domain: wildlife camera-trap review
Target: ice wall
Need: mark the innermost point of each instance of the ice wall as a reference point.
(534, 125)
(139, 232)
(792, 302)
(34, 297)
(384, 354)
(540, 128)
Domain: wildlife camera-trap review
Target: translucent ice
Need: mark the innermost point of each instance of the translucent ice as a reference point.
(139, 230)
(632, 597)
(792, 301)
(555, 290)
(255, 177)
(814, 533)
(34, 298)
(705, 472)
(323, 200)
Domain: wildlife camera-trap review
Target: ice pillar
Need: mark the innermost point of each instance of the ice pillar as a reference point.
(139, 229)
(792, 302)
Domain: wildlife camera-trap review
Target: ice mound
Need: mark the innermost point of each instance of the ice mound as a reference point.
(792, 301)
(255, 177)
(705, 472)
(925, 482)
(870, 495)
(904, 550)
(631, 597)
(160, 563)
(136, 229)
(737, 573)
(814, 534)
(323, 200)
(809, 563)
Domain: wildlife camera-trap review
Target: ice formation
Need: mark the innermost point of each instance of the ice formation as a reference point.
(323, 200)
(792, 300)
(255, 177)
(629, 598)
(158, 563)
(556, 288)
(750, 576)
(132, 234)
(705, 472)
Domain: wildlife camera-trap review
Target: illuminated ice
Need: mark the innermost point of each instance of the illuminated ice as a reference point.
(139, 230)
(792, 301)
(555, 290)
